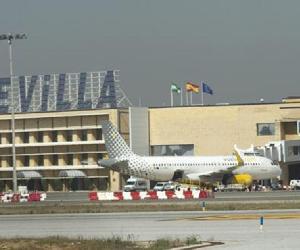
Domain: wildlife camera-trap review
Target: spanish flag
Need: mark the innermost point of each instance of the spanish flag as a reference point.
(191, 87)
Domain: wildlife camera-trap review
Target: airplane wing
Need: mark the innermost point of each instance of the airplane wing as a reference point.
(213, 174)
(228, 170)
(114, 164)
(219, 172)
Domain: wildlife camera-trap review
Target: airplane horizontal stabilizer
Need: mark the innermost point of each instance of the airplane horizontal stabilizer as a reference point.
(113, 163)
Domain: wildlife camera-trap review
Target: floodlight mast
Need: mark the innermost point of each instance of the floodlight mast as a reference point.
(10, 37)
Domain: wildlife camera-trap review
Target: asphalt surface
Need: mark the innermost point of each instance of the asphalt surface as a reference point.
(237, 229)
(219, 196)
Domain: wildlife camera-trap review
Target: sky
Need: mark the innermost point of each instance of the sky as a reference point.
(244, 50)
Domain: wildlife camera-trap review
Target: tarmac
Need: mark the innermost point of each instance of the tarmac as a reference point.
(236, 229)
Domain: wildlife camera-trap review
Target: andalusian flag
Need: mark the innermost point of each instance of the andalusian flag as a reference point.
(175, 88)
(191, 87)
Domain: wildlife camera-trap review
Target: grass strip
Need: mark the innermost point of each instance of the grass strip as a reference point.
(108, 207)
(114, 243)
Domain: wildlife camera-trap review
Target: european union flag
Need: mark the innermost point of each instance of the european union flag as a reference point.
(206, 89)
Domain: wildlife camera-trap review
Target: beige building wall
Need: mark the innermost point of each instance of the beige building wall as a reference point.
(18, 138)
(47, 160)
(4, 161)
(61, 136)
(47, 140)
(32, 137)
(47, 136)
(33, 161)
(212, 129)
(76, 135)
(215, 129)
(91, 134)
(5, 138)
(77, 159)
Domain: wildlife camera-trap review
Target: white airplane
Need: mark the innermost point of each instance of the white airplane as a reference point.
(242, 169)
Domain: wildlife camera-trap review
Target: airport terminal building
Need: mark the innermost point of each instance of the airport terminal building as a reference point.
(59, 138)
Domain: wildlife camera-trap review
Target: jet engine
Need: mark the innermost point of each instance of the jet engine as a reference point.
(244, 179)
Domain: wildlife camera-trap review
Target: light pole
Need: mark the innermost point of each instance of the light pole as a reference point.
(10, 37)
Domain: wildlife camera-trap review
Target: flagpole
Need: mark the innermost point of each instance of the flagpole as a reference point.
(202, 93)
(181, 102)
(186, 98)
(171, 98)
(191, 98)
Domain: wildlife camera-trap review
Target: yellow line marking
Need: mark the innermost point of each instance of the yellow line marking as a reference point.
(244, 217)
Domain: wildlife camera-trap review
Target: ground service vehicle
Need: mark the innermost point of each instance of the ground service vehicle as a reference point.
(295, 184)
(160, 186)
(136, 184)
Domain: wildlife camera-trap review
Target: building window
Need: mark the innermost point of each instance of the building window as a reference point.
(69, 135)
(55, 160)
(9, 138)
(84, 135)
(10, 161)
(40, 137)
(69, 159)
(84, 159)
(26, 160)
(265, 129)
(26, 137)
(294, 150)
(54, 136)
(99, 134)
(171, 150)
(41, 160)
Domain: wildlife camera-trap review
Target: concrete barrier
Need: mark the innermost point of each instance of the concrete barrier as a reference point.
(22, 197)
(150, 195)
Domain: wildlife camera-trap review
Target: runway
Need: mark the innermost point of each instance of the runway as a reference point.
(279, 232)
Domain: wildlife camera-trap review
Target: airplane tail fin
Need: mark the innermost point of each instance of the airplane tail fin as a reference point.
(114, 143)
(238, 156)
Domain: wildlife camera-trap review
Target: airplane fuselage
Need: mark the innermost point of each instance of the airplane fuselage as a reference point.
(162, 168)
